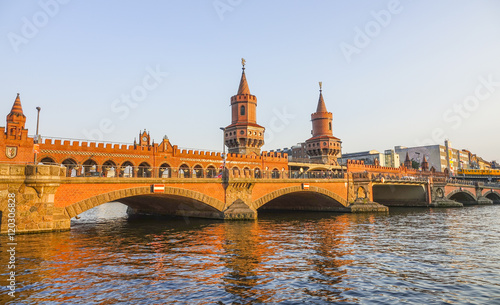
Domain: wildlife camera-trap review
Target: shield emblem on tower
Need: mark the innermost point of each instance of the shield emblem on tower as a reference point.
(11, 151)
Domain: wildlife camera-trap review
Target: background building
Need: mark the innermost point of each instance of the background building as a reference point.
(369, 157)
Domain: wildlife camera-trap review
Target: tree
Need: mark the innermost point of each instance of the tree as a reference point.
(415, 164)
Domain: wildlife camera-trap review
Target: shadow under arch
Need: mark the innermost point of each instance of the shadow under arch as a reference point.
(493, 196)
(140, 200)
(394, 195)
(463, 196)
(296, 198)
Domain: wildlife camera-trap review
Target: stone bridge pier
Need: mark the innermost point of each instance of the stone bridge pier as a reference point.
(33, 191)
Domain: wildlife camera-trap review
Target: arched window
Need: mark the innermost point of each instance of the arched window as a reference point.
(165, 171)
(47, 160)
(198, 171)
(242, 110)
(127, 169)
(72, 167)
(330, 126)
(109, 168)
(144, 170)
(89, 168)
(184, 171)
(211, 172)
(257, 173)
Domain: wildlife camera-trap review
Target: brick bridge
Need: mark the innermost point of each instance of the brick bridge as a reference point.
(46, 199)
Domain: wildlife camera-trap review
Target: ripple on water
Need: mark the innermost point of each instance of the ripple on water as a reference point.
(410, 256)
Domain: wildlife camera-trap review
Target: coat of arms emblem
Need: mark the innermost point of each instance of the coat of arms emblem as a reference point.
(11, 151)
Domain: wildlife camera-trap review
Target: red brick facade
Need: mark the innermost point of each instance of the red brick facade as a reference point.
(323, 147)
(144, 159)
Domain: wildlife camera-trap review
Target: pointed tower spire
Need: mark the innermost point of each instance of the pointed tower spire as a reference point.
(17, 108)
(243, 89)
(321, 102)
(323, 147)
(16, 121)
(425, 165)
(244, 136)
(408, 163)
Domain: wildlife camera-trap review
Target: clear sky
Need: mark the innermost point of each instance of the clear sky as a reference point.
(394, 73)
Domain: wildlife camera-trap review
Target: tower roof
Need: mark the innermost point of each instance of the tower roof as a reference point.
(407, 157)
(17, 108)
(321, 102)
(243, 89)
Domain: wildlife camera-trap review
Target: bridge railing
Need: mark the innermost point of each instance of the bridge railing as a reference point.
(401, 179)
(492, 184)
(78, 171)
(460, 181)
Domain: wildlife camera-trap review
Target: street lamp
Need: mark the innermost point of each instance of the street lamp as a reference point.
(223, 150)
(37, 136)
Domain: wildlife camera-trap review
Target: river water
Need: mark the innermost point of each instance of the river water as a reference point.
(409, 256)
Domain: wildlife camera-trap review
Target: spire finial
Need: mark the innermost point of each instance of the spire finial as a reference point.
(243, 62)
(320, 86)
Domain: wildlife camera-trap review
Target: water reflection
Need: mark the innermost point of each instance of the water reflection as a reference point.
(414, 256)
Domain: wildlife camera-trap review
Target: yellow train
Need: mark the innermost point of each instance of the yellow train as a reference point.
(479, 172)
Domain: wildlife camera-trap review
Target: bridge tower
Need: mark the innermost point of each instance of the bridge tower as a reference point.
(244, 136)
(425, 165)
(323, 147)
(16, 121)
(408, 163)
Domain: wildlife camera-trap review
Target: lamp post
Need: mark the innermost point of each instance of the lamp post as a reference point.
(223, 151)
(37, 136)
(223, 176)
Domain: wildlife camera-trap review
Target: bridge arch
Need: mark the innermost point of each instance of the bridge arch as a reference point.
(174, 201)
(47, 160)
(296, 194)
(399, 194)
(493, 196)
(462, 196)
